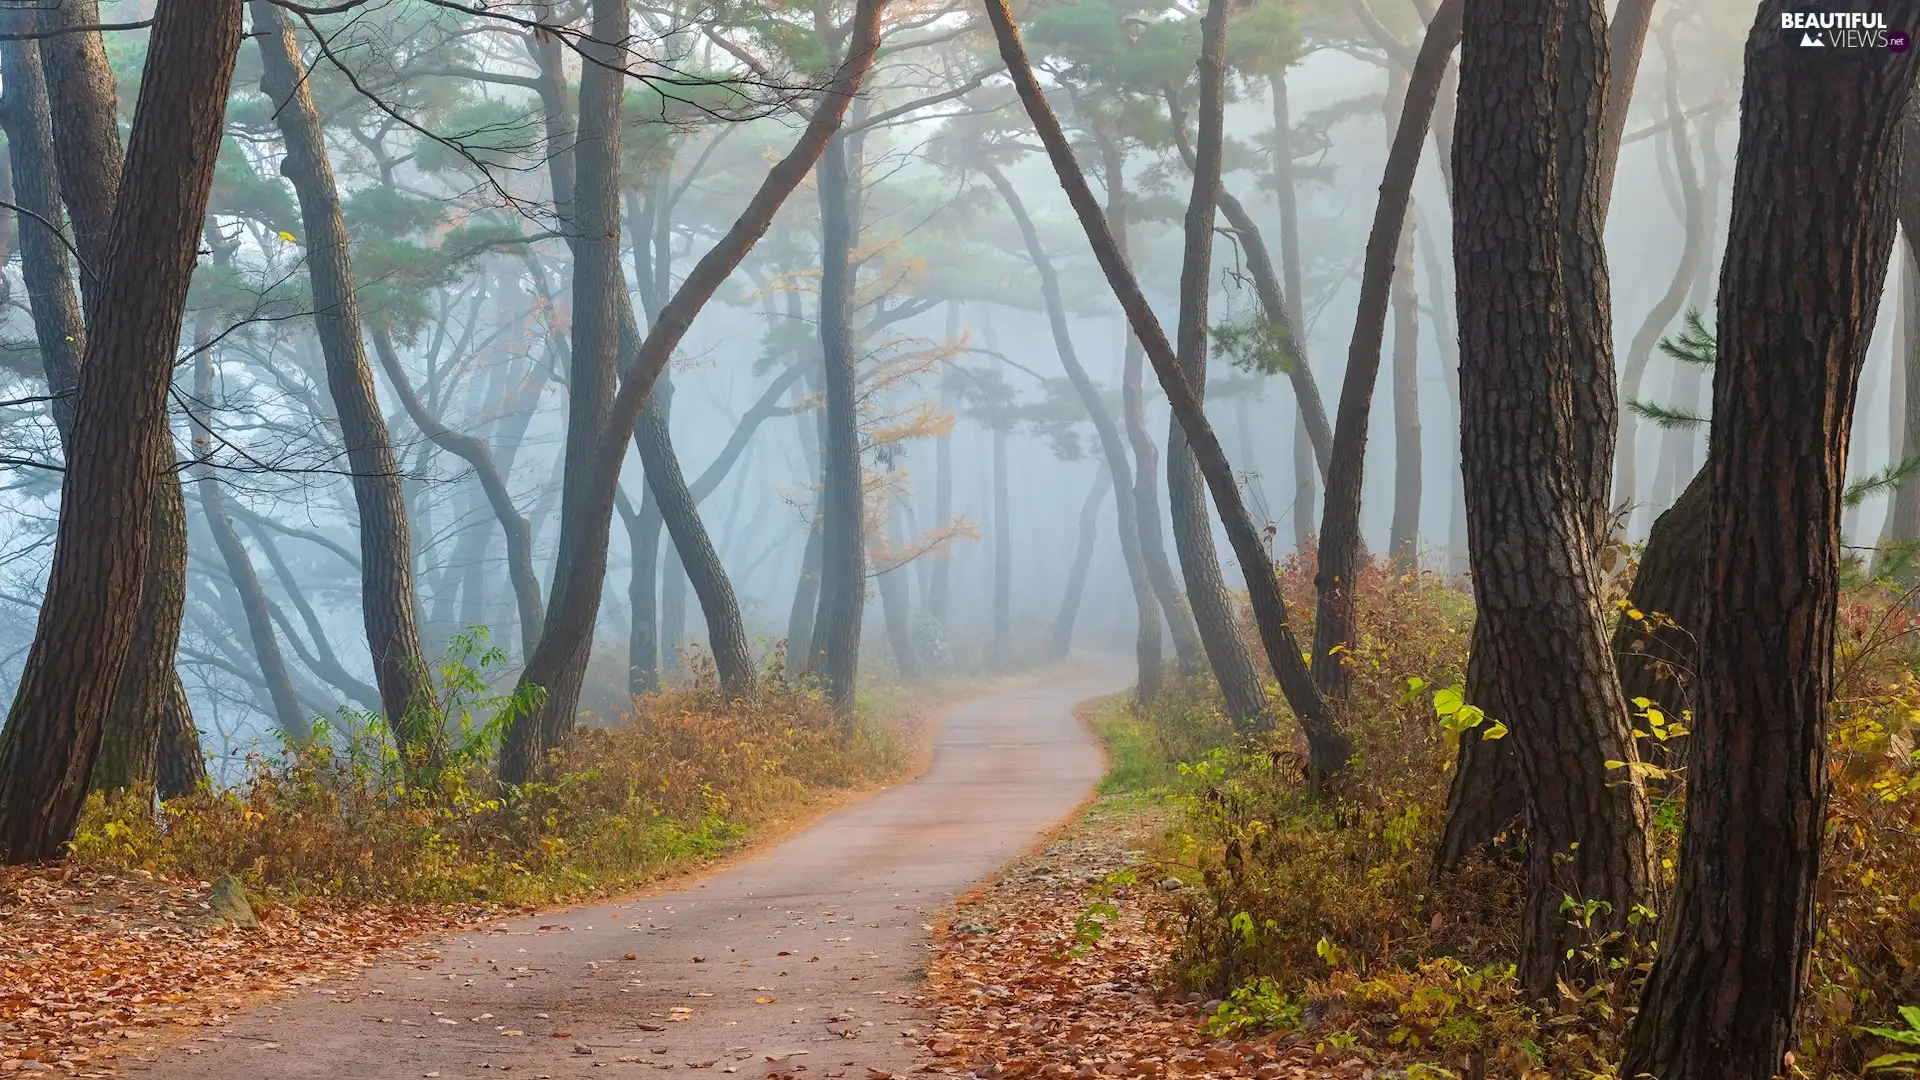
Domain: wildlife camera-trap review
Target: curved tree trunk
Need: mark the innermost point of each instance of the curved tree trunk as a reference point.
(1328, 747)
(83, 106)
(1240, 683)
(1113, 449)
(1340, 542)
(101, 550)
(478, 453)
(1798, 299)
(1528, 497)
(387, 594)
(559, 660)
(1082, 560)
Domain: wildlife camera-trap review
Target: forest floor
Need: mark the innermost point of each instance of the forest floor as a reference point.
(805, 959)
(1052, 969)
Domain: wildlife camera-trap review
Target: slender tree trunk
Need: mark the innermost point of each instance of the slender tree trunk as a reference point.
(1240, 683)
(1328, 747)
(479, 454)
(1335, 623)
(806, 596)
(1313, 434)
(943, 493)
(287, 710)
(1697, 241)
(1082, 561)
(893, 606)
(673, 610)
(1408, 458)
(101, 555)
(1113, 448)
(1798, 298)
(387, 594)
(1530, 514)
(58, 327)
(1449, 337)
(843, 573)
(559, 661)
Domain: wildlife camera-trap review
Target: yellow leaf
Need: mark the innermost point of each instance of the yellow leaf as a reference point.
(289, 237)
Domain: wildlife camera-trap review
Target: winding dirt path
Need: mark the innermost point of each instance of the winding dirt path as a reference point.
(803, 960)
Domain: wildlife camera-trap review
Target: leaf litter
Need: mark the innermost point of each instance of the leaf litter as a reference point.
(97, 965)
(1023, 988)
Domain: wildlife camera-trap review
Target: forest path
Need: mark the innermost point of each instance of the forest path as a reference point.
(809, 955)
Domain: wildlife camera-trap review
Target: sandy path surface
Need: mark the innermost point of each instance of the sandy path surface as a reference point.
(803, 960)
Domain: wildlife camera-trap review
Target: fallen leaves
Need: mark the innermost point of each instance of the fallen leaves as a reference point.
(1015, 1001)
(91, 961)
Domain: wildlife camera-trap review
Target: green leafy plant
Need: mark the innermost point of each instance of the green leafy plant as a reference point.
(1902, 1061)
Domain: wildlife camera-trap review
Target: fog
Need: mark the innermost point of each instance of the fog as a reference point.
(956, 347)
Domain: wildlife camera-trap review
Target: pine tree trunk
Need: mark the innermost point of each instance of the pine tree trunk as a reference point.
(1336, 619)
(1408, 456)
(1328, 748)
(1530, 511)
(1314, 435)
(386, 550)
(83, 104)
(1240, 683)
(593, 477)
(843, 570)
(1082, 560)
(1113, 448)
(101, 550)
(893, 606)
(1002, 550)
(1798, 298)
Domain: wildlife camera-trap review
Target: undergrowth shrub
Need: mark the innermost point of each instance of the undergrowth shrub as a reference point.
(684, 773)
(1324, 913)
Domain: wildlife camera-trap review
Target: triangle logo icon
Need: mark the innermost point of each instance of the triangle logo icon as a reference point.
(1809, 41)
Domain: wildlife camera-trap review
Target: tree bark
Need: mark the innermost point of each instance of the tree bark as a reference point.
(1315, 433)
(1328, 747)
(1113, 448)
(939, 587)
(1444, 329)
(843, 571)
(1528, 500)
(1082, 560)
(1335, 621)
(101, 551)
(893, 606)
(643, 584)
(387, 593)
(1799, 294)
(559, 660)
(86, 133)
(1240, 683)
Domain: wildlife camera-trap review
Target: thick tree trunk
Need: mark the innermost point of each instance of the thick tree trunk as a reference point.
(101, 557)
(387, 594)
(83, 105)
(86, 132)
(1062, 641)
(1484, 800)
(1113, 448)
(180, 764)
(843, 568)
(560, 658)
(478, 453)
(1328, 747)
(1798, 298)
(1233, 670)
(1335, 621)
(1530, 514)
